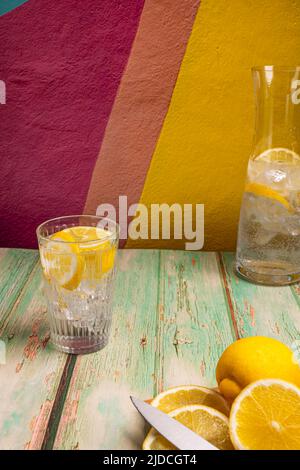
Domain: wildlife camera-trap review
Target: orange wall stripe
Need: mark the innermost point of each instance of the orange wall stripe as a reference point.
(142, 102)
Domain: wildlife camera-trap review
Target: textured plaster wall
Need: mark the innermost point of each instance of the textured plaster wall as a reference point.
(205, 142)
(62, 63)
(153, 99)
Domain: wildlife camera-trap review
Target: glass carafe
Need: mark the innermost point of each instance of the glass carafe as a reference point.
(268, 248)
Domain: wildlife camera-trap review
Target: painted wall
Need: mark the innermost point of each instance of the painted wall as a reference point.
(152, 99)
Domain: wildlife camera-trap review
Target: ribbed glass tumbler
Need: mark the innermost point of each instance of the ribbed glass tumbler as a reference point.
(78, 260)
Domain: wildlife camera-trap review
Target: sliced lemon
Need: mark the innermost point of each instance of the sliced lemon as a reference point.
(203, 420)
(266, 416)
(183, 395)
(99, 254)
(82, 254)
(278, 155)
(83, 234)
(62, 261)
(265, 191)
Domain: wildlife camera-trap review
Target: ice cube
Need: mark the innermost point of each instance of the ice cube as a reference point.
(274, 175)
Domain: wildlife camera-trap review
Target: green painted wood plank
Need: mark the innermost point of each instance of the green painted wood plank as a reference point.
(262, 310)
(15, 268)
(31, 376)
(98, 413)
(58, 405)
(295, 288)
(195, 325)
(172, 320)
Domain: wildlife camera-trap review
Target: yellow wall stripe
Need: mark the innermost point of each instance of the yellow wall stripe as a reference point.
(205, 141)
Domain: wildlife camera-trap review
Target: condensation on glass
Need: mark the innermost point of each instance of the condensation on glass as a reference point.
(268, 248)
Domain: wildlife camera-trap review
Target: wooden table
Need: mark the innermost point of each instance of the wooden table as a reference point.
(174, 314)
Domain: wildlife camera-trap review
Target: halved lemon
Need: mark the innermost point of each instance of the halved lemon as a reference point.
(266, 416)
(267, 192)
(184, 395)
(279, 155)
(203, 420)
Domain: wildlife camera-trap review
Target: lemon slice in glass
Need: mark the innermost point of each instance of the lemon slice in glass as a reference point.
(78, 253)
(98, 251)
(278, 155)
(267, 192)
(61, 260)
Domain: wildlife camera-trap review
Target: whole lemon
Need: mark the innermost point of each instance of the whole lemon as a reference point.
(254, 358)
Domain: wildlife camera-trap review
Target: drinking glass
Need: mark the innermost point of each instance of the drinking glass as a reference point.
(78, 259)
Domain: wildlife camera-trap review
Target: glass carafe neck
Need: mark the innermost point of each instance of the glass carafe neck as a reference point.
(277, 99)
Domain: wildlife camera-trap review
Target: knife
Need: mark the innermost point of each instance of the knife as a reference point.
(178, 434)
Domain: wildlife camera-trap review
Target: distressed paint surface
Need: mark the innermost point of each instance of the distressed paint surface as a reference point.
(15, 267)
(194, 326)
(98, 412)
(32, 371)
(262, 310)
(174, 314)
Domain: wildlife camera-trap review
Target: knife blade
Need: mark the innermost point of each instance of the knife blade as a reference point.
(178, 434)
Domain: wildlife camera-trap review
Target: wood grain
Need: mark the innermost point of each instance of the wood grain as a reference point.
(98, 413)
(174, 314)
(262, 310)
(31, 375)
(15, 268)
(195, 325)
(171, 324)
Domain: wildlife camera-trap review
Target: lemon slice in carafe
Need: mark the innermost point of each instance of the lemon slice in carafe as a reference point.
(278, 155)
